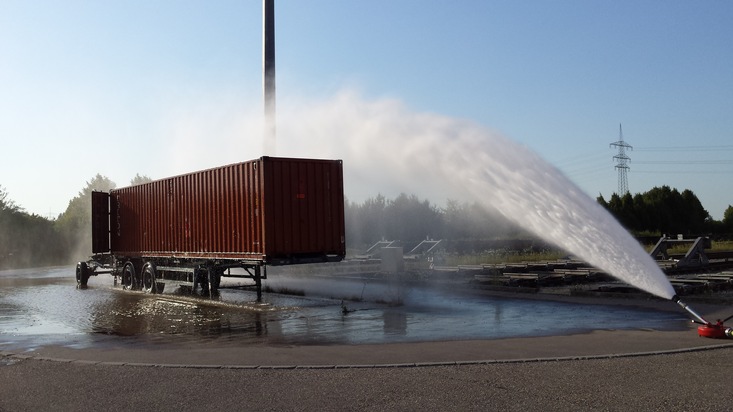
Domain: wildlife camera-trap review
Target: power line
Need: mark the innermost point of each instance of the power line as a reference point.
(690, 172)
(586, 158)
(718, 148)
(686, 162)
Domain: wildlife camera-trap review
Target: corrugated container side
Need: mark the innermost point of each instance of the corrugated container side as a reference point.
(305, 213)
(265, 209)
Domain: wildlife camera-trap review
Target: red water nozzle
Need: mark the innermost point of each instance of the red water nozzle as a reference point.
(715, 331)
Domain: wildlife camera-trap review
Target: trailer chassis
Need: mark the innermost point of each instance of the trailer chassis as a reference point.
(152, 274)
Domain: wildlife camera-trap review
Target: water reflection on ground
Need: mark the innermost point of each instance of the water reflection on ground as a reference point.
(43, 307)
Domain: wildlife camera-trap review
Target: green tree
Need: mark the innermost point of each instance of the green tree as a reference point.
(365, 222)
(8, 210)
(6, 204)
(26, 240)
(643, 215)
(601, 201)
(472, 221)
(407, 218)
(75, 224)
(660, 210)
(624, 208)
(138, 179)
(728, 219)
(694, 217)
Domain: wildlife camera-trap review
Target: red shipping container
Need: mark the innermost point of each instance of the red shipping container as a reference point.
(270, 210)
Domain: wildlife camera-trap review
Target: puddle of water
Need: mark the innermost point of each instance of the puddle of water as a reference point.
(42, 307)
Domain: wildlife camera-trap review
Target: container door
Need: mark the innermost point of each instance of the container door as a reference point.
(100, 222)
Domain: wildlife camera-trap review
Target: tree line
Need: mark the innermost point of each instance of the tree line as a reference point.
(664, 210)
(410, 219)
(30, 240)
(661, 210)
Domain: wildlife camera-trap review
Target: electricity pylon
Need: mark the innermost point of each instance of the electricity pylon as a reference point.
(622, 162)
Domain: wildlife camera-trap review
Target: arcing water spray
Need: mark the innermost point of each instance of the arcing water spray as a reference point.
(465, 159)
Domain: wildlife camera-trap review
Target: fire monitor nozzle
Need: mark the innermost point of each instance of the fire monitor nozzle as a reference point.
(676, 299)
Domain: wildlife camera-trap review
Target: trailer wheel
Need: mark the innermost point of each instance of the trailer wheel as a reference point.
(82, 274)
(149, 284)
(128, 276)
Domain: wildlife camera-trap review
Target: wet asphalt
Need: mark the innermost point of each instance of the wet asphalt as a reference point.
(50, 360)
(43, 307)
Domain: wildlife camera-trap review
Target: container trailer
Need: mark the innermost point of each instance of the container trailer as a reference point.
(192, 229)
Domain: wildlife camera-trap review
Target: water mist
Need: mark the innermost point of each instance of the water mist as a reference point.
(386, 146)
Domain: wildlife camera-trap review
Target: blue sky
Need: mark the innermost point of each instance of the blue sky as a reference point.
(167, 87)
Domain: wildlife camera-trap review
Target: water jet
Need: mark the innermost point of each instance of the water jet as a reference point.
(699, 319)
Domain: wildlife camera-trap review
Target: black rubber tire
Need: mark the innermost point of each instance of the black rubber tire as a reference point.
(128, 276)
(148, 279)
(82, 274)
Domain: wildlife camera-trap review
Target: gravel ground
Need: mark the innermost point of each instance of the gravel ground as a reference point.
(698, 380)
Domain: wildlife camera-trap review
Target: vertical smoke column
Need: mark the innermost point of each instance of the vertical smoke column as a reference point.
(268, 73)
